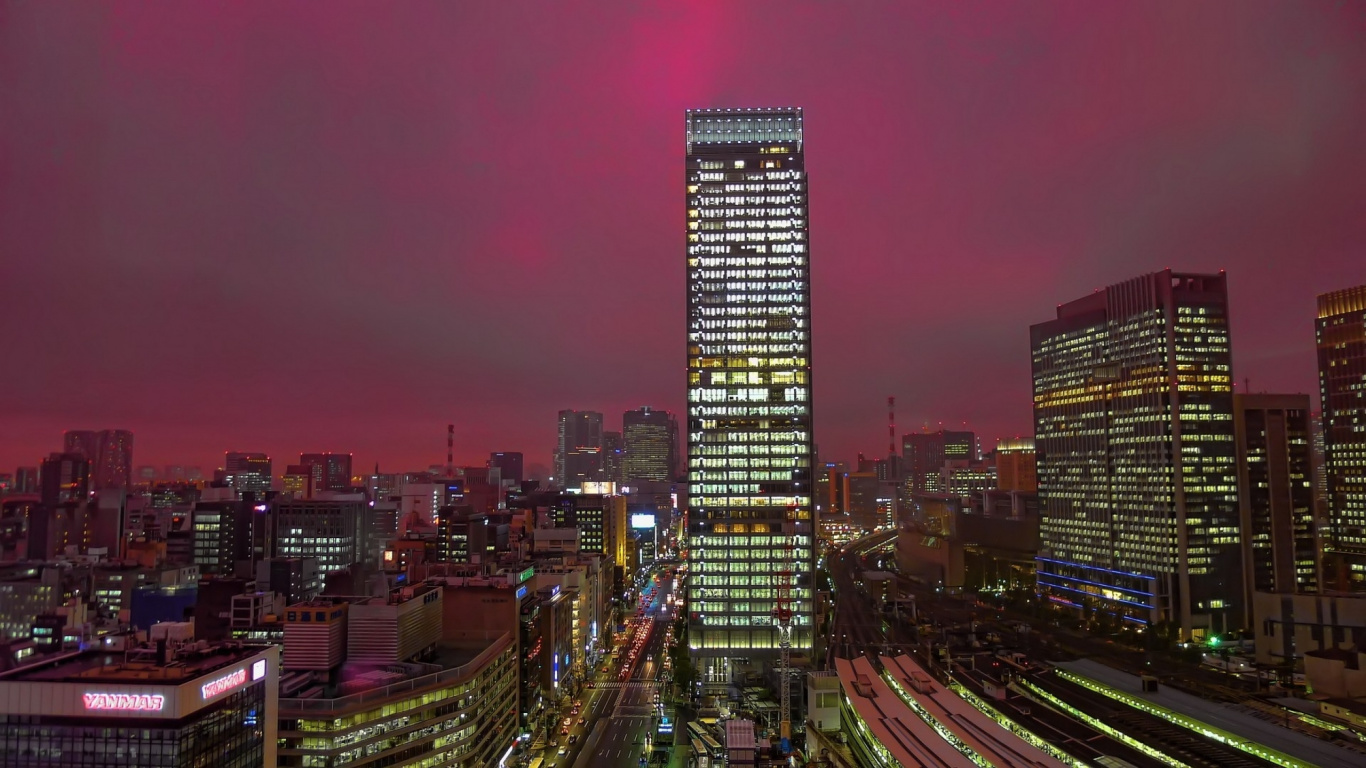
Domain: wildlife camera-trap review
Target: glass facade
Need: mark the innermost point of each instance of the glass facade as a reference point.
(749, 383)
(451, 719)
(1341, 333)
(227, 734)
(1133, 412)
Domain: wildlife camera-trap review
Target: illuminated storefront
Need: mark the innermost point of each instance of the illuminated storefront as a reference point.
(749, 383)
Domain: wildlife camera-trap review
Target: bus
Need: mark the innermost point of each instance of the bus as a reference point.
(709, 747)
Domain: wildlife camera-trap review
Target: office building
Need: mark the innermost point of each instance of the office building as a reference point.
(1275, 494)
(650, 439)
(509, 465)
(248, 472)
(329, 471)
(578, 451)
(1341, 335)
(923, 455)
(1133, 414)
(113, 468)
(148, 707)
(331, 530)
(749, 387)
(462, 714)
(1016, 469)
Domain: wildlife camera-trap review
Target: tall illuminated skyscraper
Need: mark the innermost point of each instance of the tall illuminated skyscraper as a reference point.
(750, 445)
(1341, 331)
(651, 442)
(1133, 420)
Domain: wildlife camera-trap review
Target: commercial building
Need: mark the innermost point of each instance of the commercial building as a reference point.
(750, 445)
(1341, 334)
(651, 445)
(1133, 414)
(1275, 494)
(578, 450)
(459, 713)
(150, 707)
(296, 579)
(403, 626)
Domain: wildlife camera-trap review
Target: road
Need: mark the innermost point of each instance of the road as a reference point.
(623, 712)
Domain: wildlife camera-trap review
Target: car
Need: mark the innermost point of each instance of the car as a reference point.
(564, 750)
(595, 685)
(582, 720)
(564, 731)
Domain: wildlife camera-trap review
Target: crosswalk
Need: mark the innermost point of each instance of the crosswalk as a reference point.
(632, 684)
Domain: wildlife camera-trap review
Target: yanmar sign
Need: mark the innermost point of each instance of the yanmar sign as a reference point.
(223, 684)
(124, 702)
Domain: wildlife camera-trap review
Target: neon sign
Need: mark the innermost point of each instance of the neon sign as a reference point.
(125, 702)
(223, 684)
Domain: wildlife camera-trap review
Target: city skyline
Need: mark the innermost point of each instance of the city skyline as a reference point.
(1233, 147)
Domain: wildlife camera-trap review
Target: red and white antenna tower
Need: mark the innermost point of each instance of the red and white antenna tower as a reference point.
(450, 450)
(891, 426)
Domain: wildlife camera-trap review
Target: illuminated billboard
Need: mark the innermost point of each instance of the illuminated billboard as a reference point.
(125, 702)
(642, 520)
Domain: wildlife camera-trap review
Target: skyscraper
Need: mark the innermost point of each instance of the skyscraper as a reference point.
(86, 442)
(1275, 494)
(1133, 414)
(651, 444)
(613, 456)
(1341, 334)
(113, 467)
(578, 452)
(750, 520)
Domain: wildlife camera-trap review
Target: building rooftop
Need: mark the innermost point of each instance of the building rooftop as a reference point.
(136, 666)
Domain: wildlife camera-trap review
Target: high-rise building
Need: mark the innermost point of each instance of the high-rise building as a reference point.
(26, 480)
(114, 466)
(86, 442)
(1015, 465)
(1275, 494)
(1341, 334)
(613, 457)
(330, 471)
(578, 452)
(247, 472)
(65, 478)
(924, 453)
(651, 442)
(1133, 415)
(750, 442)
(508, 463)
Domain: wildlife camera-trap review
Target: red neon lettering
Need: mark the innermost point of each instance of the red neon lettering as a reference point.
(223, 684)
(125, 702)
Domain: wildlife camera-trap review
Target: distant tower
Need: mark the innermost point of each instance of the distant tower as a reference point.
(450, 450)
(1341, 332)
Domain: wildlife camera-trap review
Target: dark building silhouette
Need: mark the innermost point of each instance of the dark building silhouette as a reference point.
(578, 451)
(509, 464)
(329, 471)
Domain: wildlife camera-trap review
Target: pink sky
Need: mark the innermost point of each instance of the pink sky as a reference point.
(262, 226)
